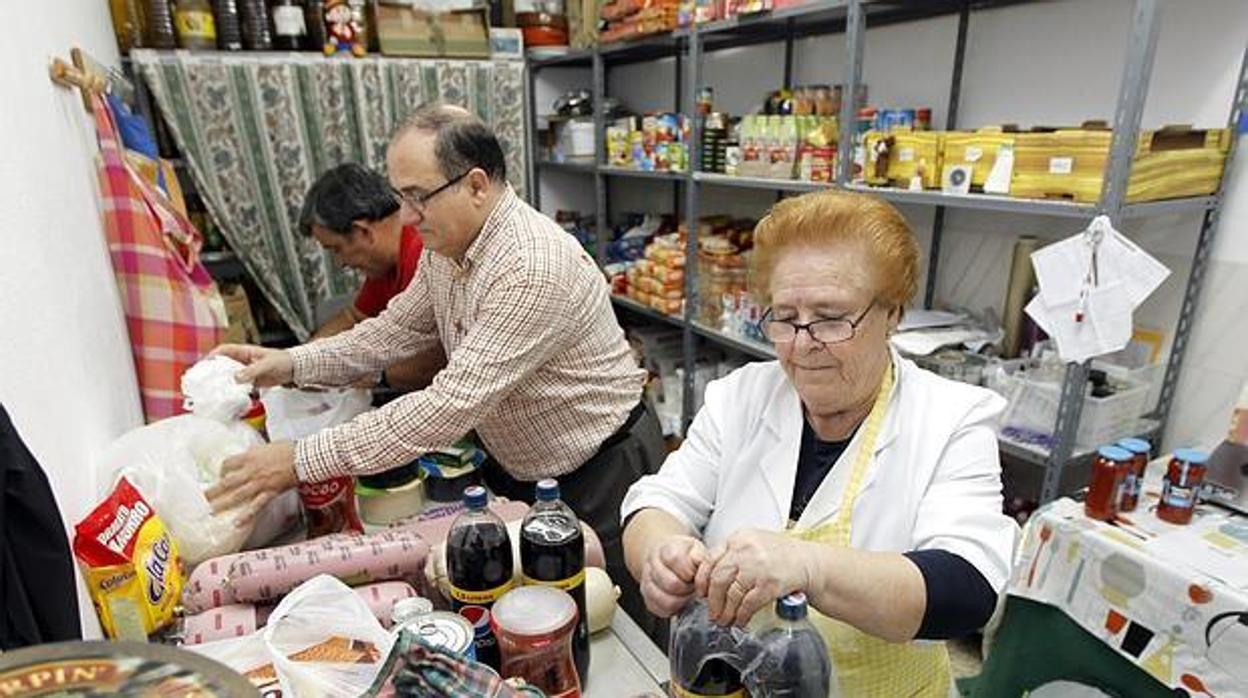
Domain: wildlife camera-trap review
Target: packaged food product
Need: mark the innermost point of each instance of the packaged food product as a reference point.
(131, 565)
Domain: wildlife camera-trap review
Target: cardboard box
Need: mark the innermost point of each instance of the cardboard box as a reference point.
(408, 30)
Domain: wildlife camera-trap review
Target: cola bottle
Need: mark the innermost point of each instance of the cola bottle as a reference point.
(793, 659)
(704, 656)
(480, 565)
(552, 553)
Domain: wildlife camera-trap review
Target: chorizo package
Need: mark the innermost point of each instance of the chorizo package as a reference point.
(131, 564)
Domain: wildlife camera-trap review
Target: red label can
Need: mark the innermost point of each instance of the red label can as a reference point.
(330, 507)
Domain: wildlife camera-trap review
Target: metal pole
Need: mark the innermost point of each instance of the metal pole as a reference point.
(694, 78)
(1200, 260)
(535, 187)
(788, 54)
(855, 29)
(679, 108)
(602, 220)
(951, 121)
(1141, 49)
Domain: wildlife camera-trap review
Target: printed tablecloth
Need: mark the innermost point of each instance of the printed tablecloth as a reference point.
(1172, 599)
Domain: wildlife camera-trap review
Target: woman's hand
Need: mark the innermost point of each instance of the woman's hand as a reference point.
(750, 570)
(667, 577)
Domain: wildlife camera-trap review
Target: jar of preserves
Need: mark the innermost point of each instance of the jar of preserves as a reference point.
(1133, 480)
(534, 627)
(1107, 475)
(1183, 478)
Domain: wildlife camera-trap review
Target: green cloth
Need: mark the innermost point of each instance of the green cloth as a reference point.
(1038, 643)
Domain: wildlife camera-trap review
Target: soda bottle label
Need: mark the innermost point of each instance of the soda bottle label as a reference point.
(477, 598)
(565, 584)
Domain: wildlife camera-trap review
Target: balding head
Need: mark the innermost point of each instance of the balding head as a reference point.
(461, 140)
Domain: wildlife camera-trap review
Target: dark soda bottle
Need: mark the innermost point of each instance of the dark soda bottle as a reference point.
(793, 662)
(480, 565)
(552, 553)
(699, 650)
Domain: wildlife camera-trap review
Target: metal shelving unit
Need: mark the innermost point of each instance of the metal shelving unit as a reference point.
(854, 18)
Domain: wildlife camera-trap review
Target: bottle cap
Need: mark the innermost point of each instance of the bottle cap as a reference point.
(475, 497)
(792, 607)
(1134, 445)
(547, 490)
(1114, 453)
(1191, 455)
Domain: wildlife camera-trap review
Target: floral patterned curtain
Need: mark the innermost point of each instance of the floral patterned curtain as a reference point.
(257, 129)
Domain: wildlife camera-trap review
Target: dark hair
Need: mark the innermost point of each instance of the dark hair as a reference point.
(344, 195)
(463, 141)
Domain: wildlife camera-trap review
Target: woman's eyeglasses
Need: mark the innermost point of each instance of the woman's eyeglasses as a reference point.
(830, 331)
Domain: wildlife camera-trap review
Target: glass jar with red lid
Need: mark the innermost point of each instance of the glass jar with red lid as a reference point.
(1107, 475)
(534, 626)
(1180, 485)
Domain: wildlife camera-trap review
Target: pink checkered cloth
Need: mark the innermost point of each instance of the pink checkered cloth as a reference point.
(174, 313)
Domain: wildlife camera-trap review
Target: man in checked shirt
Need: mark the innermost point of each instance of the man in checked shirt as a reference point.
(537, 363)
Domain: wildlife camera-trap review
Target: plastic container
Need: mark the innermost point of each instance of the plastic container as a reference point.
(534, 626)
(552, 553)
(1105, 489)
(793, 660)
(1033, 402)
(479, 564)
(1133, 480)
(721, 274)
(1180, 485)
(704, 658)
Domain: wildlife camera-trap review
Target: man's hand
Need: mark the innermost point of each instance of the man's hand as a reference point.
(667, 578)
(253, 479)
(749, 571)
(263, 367)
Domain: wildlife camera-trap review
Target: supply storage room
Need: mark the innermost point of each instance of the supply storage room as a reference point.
(625, 348)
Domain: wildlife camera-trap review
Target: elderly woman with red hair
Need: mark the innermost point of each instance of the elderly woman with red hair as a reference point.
(841, 470)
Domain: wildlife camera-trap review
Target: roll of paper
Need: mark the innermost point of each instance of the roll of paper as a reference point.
(1022, 279)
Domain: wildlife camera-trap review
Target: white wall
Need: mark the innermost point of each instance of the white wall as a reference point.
(1047, 63)
(68, 379)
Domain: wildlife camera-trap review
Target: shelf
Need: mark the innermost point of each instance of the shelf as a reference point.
(1038, 455)
(746, 346)
(581, 167)
(629, 172)
(1042, 207)
(646, 48)
(641, 309)
(575, 58)
(767, 183)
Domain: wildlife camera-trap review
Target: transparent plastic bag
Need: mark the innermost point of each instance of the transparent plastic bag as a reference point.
(172, 462)
(292, 414)
(324, 641)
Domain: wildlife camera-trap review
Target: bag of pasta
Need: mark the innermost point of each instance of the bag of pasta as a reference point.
(131, 565)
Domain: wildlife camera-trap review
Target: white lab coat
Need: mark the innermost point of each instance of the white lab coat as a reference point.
(935, 482)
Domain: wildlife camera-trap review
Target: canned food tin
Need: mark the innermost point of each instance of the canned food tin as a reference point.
(444, 630)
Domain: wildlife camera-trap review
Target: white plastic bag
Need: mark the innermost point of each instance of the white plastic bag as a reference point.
(323, 618)
(209, 389)
(248, 656)
(172, 462)
(292, 414)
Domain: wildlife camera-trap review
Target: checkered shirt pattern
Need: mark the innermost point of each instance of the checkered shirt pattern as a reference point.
(538, 364)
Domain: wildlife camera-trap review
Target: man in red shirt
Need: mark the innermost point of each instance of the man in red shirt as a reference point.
(354, 214)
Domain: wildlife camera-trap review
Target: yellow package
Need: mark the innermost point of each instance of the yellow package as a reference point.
(132, 567)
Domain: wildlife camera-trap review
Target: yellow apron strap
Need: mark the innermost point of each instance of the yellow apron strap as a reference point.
(866, 665)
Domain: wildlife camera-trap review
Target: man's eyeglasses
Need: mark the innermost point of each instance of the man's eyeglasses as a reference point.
(830, 331)
(417, 201)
